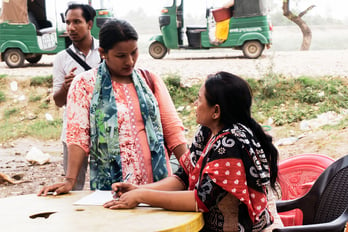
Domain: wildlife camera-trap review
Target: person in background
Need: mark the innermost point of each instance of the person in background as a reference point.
(79, 22)
(116, 118)
(228, 172)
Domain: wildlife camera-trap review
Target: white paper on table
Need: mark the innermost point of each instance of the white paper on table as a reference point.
(98, 197)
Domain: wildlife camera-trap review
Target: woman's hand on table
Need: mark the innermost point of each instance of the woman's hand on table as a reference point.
(123, 196)
(57, 189)
(127, 200)
(120, 188)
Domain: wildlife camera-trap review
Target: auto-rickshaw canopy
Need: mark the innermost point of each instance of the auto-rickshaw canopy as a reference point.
(14, 11)
(25, 11)
(249, 8)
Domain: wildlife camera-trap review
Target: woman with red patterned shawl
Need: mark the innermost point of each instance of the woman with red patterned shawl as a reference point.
(228, 171)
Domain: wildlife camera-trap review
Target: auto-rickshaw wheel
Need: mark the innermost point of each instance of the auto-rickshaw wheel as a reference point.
(157, 50)
(34, 59)
(14, 58)
(253, 49)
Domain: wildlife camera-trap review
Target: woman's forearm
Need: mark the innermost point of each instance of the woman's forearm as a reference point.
(180, 150)
(76, 156)
(170, 183)
(171, 200)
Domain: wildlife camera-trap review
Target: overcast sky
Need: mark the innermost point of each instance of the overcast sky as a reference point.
(329, 8)
(333, 8)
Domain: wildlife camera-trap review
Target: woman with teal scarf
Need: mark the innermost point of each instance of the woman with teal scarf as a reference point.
(118, 119)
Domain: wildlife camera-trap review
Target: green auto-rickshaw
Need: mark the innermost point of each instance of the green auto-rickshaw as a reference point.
(27, 30)
(249, 29)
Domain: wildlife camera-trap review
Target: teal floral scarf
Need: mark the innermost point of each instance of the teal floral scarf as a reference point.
(105, 159)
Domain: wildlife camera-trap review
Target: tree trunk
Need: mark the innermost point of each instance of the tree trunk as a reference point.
(306, 31)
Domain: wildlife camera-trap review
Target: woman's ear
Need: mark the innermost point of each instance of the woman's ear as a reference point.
(101, 52)
(217, 112)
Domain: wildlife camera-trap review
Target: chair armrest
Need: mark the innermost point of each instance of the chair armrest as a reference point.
(287, 205)
(323, 227)
(336, 225)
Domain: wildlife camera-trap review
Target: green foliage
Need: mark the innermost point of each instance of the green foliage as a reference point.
(27, 118)
(10, 112)
(292, 100)
(3, 80)
(45, 81)
(45, 129)
(285, 100)
(2, 97)
(182, 96)
(37, 129)
(34, 98)
(44, 105)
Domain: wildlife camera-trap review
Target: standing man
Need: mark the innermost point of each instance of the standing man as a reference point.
(79, 22)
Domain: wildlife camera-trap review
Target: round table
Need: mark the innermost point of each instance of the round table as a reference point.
(58, 213)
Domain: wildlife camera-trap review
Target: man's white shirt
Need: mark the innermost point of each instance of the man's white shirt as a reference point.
(62, 65)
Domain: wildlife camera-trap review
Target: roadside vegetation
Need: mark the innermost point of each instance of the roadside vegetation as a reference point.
(282, 100)
(27, 111)
(30, 111)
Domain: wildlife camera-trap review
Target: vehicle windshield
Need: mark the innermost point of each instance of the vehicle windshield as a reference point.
(168, 3)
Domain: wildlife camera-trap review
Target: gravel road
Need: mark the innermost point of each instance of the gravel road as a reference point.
(197, 64)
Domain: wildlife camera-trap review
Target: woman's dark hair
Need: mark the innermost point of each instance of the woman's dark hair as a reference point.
(234, 96)
(88, 12)
(114, 31)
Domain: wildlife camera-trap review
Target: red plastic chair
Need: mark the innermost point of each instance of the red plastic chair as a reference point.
(296, 176)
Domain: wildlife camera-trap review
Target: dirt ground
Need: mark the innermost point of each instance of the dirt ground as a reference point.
(28, 178)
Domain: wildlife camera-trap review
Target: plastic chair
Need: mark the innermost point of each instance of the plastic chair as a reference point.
(296, 176)
(325, 206)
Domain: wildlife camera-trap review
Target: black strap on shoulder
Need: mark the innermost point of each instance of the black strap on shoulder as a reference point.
(78, 59)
